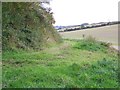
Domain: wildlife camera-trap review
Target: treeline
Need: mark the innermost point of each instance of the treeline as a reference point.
(27, 25)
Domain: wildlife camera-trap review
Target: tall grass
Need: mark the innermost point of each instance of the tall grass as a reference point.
(91, 44)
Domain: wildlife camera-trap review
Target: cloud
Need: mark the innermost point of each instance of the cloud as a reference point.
(69, 12)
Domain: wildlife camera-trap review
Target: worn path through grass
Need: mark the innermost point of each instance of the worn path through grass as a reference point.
(71, 64)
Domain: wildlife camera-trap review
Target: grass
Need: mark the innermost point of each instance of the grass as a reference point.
(91, 44)
(70, 65)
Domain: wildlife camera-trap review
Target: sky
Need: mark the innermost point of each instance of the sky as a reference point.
(76, 12)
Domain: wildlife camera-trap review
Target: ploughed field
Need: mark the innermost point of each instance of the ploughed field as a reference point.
(106, 34)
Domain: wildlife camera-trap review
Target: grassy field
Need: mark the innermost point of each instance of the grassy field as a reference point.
(73, 64)
(106, 33)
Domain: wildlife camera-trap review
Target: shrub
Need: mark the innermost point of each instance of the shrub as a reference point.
(27, 26)
(91, 44)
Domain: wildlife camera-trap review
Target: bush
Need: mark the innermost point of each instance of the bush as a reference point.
(27, 26)
(91, 44)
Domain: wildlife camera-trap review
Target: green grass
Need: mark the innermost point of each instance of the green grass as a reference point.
(91, 44)
(69, 65)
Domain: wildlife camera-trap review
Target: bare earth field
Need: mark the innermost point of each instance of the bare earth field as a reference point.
(106, 34)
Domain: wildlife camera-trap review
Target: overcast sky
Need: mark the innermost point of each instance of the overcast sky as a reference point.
(74, 12)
